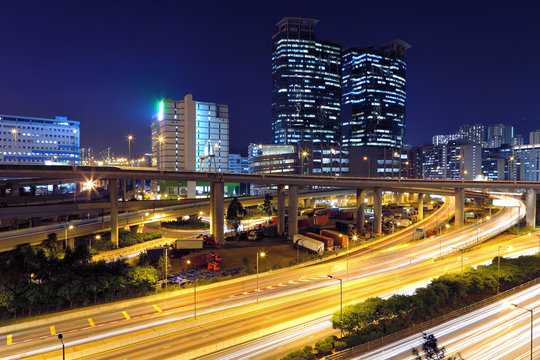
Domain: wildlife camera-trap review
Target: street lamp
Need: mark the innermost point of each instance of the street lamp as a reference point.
(340, 301)
(303, 156)
(369, 165)
(130, 137)
(14, 133)
(194, 292)
(532, 316)
(66, 228)
(261, 254)
(61, 338)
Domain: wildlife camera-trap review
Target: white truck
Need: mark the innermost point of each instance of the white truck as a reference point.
(189, 244)
(309, 243)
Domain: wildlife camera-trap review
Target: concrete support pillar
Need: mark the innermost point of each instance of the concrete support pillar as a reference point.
(377, 209)
(530, 206)
(478, 202)
(135, 229)
(217, 211)
(360, 207)
(460, 207)
(124, 190)
(55, 189)
(420, 206)
(71, 243)
(113, 199)
(281, 210)
(306, 203)
(211, 208)
(191, 187)
(293, 211)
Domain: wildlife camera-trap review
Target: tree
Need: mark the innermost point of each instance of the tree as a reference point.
(50, 242)
(431, 349)
(164, 266)
(267, 205)
(235, 213)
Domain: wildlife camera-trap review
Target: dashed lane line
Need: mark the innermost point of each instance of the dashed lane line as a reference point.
(126, 315)
(157, 308)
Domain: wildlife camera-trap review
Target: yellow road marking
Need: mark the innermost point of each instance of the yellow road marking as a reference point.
(91, 322)
(53, 330)
(157, 308)
(9, 339)
(126, 315)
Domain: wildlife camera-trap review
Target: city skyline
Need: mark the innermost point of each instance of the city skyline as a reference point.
(107, 71)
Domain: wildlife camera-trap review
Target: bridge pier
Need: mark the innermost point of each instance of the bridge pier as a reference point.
(113, 199)
(71, 243)
(420, 206)
(530, 206)
(377, 210)
(281, 210)
(360, 207)
(293, 211)
(216, 199)
(460, 207)
(124, 191)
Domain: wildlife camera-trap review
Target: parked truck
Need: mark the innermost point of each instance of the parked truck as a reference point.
(189, 244)
(339, 239)
(212, 263)
(327, 241)
(309, 243)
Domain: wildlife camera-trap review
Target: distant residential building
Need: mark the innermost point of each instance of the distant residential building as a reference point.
(374, 95)
(534, 137)
(506, 132)
(476, 134)
(238, 163)
(498, 163)
(87, 156)
(106, 155)
(306, 84)
(273, 158)
(452, 161)
(518, 140)
(33, 140)
(495, 141)
(445, 139)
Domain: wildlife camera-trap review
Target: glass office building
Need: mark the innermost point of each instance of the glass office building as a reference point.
(374, 94)
(306, 85)
(32, 140)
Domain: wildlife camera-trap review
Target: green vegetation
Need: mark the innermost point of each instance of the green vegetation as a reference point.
(376, 317)
(235, 213)
(431, 349)
(34, 280)
(125, 238)
(190, 224)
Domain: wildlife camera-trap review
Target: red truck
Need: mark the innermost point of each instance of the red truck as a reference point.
(200, 260)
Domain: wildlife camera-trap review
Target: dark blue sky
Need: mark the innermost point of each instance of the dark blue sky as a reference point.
(106, 63)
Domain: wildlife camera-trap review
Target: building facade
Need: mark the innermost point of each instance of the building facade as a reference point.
(32, 140)
(452, 161)
(506, 133)
(534, 137)
(306, 84)
(374, 94)
(238, 163)
(527, 157)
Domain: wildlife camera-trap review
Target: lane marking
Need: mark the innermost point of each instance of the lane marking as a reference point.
(9, 339)
(126, 315)
(91, 322)
(157, 308)
(53, 330)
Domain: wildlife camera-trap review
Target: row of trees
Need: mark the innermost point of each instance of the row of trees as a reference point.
(376, 317)
(34, 280)
(125, 238)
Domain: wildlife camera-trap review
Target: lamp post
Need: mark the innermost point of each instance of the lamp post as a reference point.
(303, 155)
(66, 228)
(261, 254)
(194, 292)
(130, 137)
(98, 237)
(369, 165)
(340, 301)
(161, 139)
(61, 338)
(532, 316)
(14, 133)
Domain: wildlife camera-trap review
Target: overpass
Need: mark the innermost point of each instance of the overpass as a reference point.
(286, 185)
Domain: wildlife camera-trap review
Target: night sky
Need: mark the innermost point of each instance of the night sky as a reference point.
(107, 63)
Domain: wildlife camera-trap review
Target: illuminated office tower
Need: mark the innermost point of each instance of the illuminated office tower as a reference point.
(306, 87)
(374, 94)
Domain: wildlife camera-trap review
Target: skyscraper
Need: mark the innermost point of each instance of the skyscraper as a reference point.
(374, 94)
(505, 132)
(306, 85)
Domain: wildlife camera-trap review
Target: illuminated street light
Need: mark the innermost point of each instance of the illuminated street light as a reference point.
(532, 316)
(303, 156)
(261, 254)
(161, 140)
(129, 137)
(66, 228)
(14, 133)
(61, 338)
(369, 165)
(340, 301)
